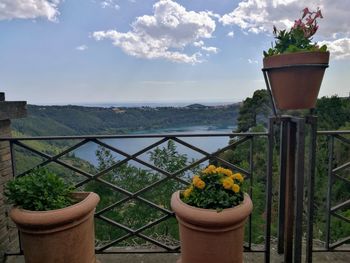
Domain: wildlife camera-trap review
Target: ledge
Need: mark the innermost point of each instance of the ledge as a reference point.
(12, 110)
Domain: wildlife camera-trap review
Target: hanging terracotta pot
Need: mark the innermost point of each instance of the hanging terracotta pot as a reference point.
(296, 78)
(61, 235)
(208, 236)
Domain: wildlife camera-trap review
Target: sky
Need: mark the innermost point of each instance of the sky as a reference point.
(110, 51)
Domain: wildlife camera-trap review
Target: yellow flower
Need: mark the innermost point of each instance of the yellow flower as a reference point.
(195, 179)
(227, 183)
(235, 188)
(228, 172)
(220, 170)
(224, 171)
(200, 184)
(188, 191)
(239, 177)
(210, 169)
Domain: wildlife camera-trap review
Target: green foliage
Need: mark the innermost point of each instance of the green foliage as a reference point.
(254, 110)
(214, 188)
(40, 190)
(168, 158)
(299, 37)
(332, 112)
(135, 213)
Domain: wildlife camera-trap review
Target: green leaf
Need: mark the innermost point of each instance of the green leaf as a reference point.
(40, 190)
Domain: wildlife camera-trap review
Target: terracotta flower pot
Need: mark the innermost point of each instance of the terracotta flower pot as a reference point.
(296, 85)
(208, 236)
(61, 235)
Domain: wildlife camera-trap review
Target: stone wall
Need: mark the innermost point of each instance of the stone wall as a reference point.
(8, 231)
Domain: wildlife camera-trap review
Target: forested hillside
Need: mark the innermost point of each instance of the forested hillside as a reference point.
(77, 120)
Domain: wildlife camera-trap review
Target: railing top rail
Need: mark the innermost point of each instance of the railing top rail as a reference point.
(132, 136)
(333, 132)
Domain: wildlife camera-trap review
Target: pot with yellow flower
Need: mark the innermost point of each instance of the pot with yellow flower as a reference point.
(211, 213)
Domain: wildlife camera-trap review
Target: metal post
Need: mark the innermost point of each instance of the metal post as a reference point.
(13, 159)
(267, 82)
(289, 205)
(282, 185)
(269, 190)
(329, 190)
(251, 169)
(312, 120)
(299, 189)
(14, 172)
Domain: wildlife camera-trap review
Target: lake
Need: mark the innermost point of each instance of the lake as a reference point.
(131, 146)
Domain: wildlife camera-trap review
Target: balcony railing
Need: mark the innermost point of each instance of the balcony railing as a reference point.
(252, 154)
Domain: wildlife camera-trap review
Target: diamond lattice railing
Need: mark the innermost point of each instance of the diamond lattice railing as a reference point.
(125, 199)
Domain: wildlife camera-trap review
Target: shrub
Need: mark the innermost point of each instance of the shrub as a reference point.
(40, 190)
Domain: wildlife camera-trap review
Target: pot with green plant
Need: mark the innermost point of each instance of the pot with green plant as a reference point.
(295, 65)
(56, 224)
(211, 214)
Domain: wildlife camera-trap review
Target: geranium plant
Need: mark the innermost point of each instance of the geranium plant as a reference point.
(299, 37)
(214, 188)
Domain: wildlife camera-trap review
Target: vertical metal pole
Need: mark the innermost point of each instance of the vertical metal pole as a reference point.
(269, 190)
(13, 159)
(289, 204)
(311, 188)
(282, 185)
(251, 169)
(14, 172)
(299, 190)
(329, 189)
(270, 92)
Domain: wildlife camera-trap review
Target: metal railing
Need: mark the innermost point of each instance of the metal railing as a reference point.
(249, 170)
(335, 168)
(234, 140)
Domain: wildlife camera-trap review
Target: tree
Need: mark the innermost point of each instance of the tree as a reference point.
(254, 111)
(135, 213)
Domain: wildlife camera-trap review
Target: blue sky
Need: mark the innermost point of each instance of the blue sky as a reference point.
(102, 51)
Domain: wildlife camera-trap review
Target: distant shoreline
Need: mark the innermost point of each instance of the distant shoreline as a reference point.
(141, 104)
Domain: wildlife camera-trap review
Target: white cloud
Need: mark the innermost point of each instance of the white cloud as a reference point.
(165, 34)
(260, 15)
(231, 34)
(82, 47)
(110, 4)
(339, 49)
(252, 61)
(214, 50)
(198, 43)
(24, 9)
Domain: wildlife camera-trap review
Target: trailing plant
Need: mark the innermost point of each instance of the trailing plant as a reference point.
(214, 188)
(299, 37)
(40, 190)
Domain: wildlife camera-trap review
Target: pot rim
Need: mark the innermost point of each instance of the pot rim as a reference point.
(299, 52)
(43, 219)
(296, 58)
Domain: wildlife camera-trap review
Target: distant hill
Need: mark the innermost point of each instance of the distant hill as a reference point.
(78, 120)
(196, 106)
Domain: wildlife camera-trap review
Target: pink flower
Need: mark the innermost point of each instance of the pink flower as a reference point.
(318, 14)
(297, 23)
(309, 20)
(305, 12)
